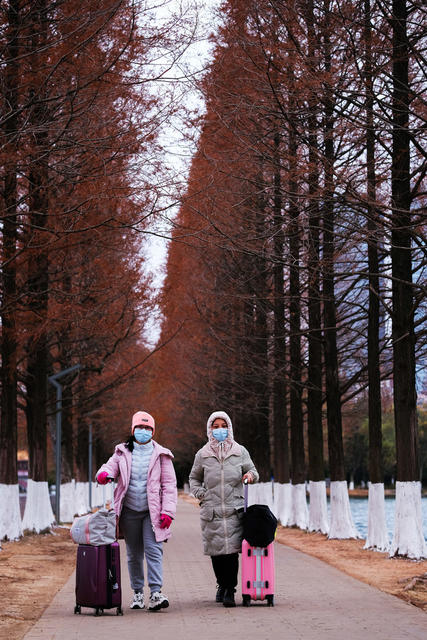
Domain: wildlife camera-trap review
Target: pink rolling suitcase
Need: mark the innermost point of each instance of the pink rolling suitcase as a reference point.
(98, 577)
(257, 571)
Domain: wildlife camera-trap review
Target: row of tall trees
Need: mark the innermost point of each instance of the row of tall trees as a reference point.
(296, 278)
(356, 441)
(77, 132)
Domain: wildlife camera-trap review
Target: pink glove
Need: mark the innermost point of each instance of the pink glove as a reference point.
(165, 521)
(102, 477)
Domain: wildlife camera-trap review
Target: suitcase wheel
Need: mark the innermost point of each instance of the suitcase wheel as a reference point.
(119, 611)
(77, 609)
(270, 600)
(99, 611)
(246, 600)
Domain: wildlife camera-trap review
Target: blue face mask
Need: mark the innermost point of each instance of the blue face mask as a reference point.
(143, 435)
(220, 434)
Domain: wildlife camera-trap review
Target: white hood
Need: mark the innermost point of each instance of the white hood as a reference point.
(224, 416)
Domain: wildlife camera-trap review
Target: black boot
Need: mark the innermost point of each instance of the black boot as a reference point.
(220, 594)
(228, 599)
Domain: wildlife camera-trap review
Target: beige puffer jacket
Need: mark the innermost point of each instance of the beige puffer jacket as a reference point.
(217, 484)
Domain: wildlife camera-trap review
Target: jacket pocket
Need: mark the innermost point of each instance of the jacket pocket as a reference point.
(206, 513)
(227, 511)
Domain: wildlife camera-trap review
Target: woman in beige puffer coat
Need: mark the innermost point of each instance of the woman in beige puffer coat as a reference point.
(219, 469)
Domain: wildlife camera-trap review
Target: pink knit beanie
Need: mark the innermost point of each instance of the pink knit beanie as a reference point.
(143, 419)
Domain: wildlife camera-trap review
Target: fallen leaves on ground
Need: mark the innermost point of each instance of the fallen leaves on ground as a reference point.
(32, 570)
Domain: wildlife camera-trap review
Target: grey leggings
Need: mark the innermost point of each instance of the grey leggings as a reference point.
(140, 540)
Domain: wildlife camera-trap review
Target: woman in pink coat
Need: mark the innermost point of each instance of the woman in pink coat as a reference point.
(145, 502)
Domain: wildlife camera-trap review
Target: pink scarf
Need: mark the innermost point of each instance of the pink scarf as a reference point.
(219, 449)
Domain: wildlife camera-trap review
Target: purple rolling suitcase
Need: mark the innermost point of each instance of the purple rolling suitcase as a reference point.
(98, 578)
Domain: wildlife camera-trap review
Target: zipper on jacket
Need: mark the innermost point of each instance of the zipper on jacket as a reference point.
(224, 519)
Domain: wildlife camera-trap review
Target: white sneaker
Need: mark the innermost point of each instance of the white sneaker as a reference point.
(138, 601)
(158, 601)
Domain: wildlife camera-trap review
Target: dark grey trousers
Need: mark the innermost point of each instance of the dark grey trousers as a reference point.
(140, 541)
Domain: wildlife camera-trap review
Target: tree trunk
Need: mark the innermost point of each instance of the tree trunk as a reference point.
(280, 418)
(67, 445)
(36, 381)
(373, 228)
(299, 502)
(8, 424)
(318, 513)
(65, 360)
(408, 535)
(314, 374)
(405, 413)
(333, 399)
(377, 536)
(260, 345)
(82, 460)
(10, 518)
(81, 450)
(38, 280)
(341, 520)
(297, 433)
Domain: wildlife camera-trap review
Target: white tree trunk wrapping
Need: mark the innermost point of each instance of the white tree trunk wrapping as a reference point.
(408, 538)
(99, 496)
(342, 525)
(258, 496)
(318, 511)
(253, 494)
(284, 503)
(261, 493)
(276, 498)
(68, 500)
(299, 513)
(82, 498)
(265, 495)
(86, 491)
(96, 496)
(377, 537)
(38, 514)
(10, 512)
(351, 486)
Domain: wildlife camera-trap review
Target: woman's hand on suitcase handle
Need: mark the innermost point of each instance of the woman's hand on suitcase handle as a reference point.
(165, 521)
(248, 478)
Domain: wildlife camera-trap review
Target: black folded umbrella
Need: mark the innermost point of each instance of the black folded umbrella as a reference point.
(259, 525)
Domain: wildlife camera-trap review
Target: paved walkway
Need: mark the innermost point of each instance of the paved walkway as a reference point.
(313, 601)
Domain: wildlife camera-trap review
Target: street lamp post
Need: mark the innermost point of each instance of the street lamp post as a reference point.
(90, 465)
(58, 386)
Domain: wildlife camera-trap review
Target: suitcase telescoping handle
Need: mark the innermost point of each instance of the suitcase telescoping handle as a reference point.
(245, 482)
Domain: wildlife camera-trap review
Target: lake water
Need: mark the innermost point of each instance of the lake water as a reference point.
(359, 510)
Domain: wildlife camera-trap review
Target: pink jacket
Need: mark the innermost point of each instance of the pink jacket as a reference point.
(161, 484)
